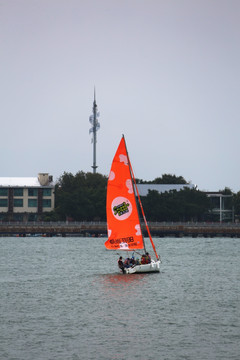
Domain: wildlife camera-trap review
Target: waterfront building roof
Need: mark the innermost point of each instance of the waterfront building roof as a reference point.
(19, 181)
(161, 188)
(26, 181)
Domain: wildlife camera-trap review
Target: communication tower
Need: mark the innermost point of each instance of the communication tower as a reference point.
(93, 119)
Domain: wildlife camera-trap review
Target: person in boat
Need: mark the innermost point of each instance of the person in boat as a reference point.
(148, 258)
(127, 263)
(132, 261)
(137, 262)
(143, 259)
(120, 264)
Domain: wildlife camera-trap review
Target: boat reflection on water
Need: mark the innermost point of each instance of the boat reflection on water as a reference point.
(116, 283)
(119, 279)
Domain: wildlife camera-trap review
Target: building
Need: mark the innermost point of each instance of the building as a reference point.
(26, 198)
(222, 207)
(143, 189)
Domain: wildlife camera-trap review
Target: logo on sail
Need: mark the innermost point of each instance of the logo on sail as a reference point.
(121, 208)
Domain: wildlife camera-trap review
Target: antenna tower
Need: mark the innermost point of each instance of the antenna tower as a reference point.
(93, 119)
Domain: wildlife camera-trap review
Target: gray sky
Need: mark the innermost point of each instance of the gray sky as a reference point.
(167, 75)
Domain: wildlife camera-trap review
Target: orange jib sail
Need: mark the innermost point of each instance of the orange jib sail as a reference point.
(124, 230)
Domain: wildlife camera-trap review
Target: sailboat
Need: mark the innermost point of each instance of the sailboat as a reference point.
(123, 214)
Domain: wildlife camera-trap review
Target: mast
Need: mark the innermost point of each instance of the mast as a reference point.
(134, 190)
(93, 119)
(141, 207)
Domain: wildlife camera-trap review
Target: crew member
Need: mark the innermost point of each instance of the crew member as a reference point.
(148, 258)
(120, 264)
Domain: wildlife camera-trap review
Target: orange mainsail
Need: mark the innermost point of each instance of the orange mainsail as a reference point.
(124, 230)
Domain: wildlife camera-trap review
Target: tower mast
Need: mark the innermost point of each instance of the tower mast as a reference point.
(93, 119)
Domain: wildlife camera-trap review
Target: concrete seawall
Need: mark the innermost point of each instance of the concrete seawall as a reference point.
(100, 229)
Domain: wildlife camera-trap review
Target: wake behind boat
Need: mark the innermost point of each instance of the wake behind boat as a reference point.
(123, 207)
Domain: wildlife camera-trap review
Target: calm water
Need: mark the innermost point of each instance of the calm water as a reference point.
(63, 298)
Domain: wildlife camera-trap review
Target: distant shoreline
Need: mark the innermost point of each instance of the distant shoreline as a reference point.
(99, 229)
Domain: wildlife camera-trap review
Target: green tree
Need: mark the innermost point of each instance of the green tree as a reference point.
(81, 197)
(184, 205)
(164, 179)
(169, 179)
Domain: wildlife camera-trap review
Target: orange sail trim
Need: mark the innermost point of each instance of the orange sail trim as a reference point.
(143, 214)
(124, 230)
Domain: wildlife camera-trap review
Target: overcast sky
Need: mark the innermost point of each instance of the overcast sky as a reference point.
(166, 72)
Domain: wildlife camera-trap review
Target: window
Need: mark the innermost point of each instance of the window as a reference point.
(18, 202)
(3, 217)
(32, 217)
(32, 202)
(18, 192)
(18, 217)
(46, 203)
(32, 192)
(3, 192)
(46, 192)
(3, 202)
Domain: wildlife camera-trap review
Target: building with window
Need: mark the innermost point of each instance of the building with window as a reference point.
(26, 198)
(222, 207)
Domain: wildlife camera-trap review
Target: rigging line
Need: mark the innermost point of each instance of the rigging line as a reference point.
(140, 203)
(133, 179)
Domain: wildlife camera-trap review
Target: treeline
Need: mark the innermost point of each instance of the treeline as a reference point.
(82, 197)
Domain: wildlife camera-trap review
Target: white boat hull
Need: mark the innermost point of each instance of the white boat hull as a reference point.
(154, 266)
